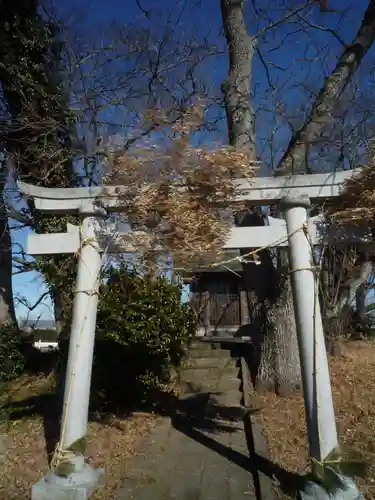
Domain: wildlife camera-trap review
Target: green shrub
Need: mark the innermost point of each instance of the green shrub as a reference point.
(12, 361)
(141, 327)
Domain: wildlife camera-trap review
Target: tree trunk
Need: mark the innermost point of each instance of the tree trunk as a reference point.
(62, 314)
(7, 312)
(295, 159)
(274, 351)
(280, 367)
(237, 87)
(280, 341)
(288, 369)
(259, 282)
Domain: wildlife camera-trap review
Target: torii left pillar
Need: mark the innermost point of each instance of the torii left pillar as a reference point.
(70, 476)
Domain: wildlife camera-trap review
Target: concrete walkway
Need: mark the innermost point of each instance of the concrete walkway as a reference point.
(193, 458)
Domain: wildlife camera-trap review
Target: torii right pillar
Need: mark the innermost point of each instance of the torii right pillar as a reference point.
(321, 423)
(320, 415)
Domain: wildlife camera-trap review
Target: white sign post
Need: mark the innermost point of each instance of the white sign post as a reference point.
(298, 232)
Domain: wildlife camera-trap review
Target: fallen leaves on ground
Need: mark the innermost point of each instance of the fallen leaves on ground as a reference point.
(353, 387)
(111, 442)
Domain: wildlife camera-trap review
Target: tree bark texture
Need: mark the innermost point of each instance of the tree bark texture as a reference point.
(237, 87)
(259, 283)
(7, 311)
(275, 356)
(279, 367)
(294, 160)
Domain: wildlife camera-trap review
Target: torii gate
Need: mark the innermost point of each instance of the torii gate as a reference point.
(294, 194)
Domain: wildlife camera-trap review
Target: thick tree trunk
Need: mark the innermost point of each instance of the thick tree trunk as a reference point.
(260, 286)
(295, 159)
(275, 355)
(280, 366)
(237, 87)
(7, 312)
(288, 369)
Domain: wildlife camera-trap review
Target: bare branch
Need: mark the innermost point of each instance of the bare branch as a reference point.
(293, 161)
(144, 11)
(264, 64)
(25, 302)
(283, 20)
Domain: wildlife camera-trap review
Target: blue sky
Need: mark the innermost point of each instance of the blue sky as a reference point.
(296, 64)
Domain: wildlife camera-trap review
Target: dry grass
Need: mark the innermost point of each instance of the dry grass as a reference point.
(353, 384)
(357, 201)
(178, 198)
(111, 442)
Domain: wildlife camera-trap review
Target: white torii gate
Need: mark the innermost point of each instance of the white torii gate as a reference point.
(300, 233)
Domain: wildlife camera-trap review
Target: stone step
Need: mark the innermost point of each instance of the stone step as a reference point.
(225, 413)
(193, 397)
(205, 346)
(190, 382)
(208, 362)
(229, 384)
(206, 374)
(232, 397)
(200, 352)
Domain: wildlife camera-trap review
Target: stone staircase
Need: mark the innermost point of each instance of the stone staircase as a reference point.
(212, 369)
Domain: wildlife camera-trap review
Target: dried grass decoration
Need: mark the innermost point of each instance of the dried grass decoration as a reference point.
(178, 198)
(356, 204)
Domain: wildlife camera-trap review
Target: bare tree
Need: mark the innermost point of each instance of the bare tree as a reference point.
(261, 288)
(116, 84)
(278, 360)
(296, 156)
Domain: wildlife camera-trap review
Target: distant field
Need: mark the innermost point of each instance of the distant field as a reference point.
(33, 335)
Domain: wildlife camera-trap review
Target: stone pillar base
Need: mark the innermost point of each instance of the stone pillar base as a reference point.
(347, 491)
(78, 486)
